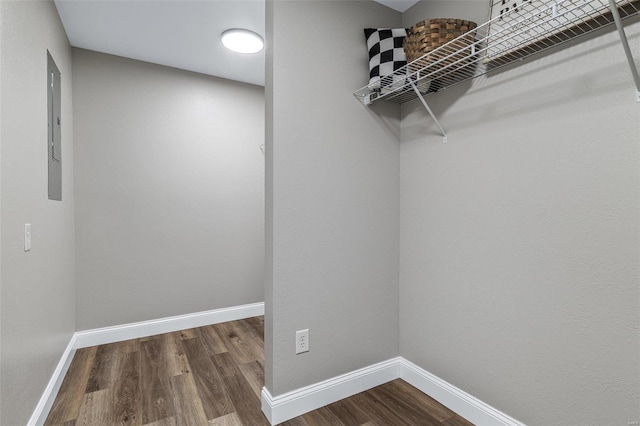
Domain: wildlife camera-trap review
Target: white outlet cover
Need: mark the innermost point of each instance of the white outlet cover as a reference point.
(302, 341)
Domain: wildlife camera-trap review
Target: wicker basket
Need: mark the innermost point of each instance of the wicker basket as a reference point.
(428, 35)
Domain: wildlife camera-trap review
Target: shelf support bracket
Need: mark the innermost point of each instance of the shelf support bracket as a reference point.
(625, 45)
(435, 120)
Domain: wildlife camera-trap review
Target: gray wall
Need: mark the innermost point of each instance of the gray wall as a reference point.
(332, 196)
(1, 121)
(520, 236)
(169, 191)
(37, 309)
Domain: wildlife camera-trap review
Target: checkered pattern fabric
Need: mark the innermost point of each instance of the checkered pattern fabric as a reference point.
(386, 54)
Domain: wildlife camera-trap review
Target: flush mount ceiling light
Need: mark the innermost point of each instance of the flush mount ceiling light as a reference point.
(242, 41)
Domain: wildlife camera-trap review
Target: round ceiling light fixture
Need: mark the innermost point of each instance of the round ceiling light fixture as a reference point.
(242, 41)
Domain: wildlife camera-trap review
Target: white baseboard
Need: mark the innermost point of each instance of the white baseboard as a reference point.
(101, 336)
(297, 402)
(41, 411)
(468, 406)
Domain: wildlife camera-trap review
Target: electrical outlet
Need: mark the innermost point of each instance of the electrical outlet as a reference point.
(27, 237)
(302, 341)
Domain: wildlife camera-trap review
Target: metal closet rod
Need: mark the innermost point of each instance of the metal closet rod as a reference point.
(625, 46)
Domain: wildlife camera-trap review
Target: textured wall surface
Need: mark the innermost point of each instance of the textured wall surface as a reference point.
(169, 191)
(520, 236)
(332, 188)
(37, 309)
(1, 14)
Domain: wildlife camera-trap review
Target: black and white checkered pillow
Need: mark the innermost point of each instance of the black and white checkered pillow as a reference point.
(386, 54)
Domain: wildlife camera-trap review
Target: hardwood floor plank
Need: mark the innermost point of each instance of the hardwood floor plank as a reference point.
(255, 337)
(322, 417)
(186, 403)
(247, 408)
(67, 404)
(254, 373)
(103, 372)
(224, 364)
(239, 342)
(169, 421)
(129, 346)
(230, 419)
(126, 396)
(147, 338)
(95, 409)
(97, 369)
(348, 412)
(257, 323)
(188, 334)
(297, 421)
(175, 359)
(154, 383)
(211, 340)
(436, 410)
(377, 410)
(210, 386)
(67, 423)
(413, 413)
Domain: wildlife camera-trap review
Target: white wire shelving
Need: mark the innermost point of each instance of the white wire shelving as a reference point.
(518, 33)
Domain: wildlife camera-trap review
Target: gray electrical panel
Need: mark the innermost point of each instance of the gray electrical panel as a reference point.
(54, 143)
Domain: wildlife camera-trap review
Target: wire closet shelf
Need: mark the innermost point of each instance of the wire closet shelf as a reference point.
(532, 27)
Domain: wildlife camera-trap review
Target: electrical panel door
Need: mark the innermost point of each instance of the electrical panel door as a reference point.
(54, 142)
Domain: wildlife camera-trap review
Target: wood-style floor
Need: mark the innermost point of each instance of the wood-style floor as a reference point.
(211, 376)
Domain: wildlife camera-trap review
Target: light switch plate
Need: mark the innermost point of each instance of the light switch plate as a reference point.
(27, 237)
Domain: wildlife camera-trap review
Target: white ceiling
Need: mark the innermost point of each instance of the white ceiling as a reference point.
(399, 5)
(183, 34)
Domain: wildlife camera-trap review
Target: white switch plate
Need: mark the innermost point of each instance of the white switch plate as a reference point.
(27, 236)
(302, 341)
